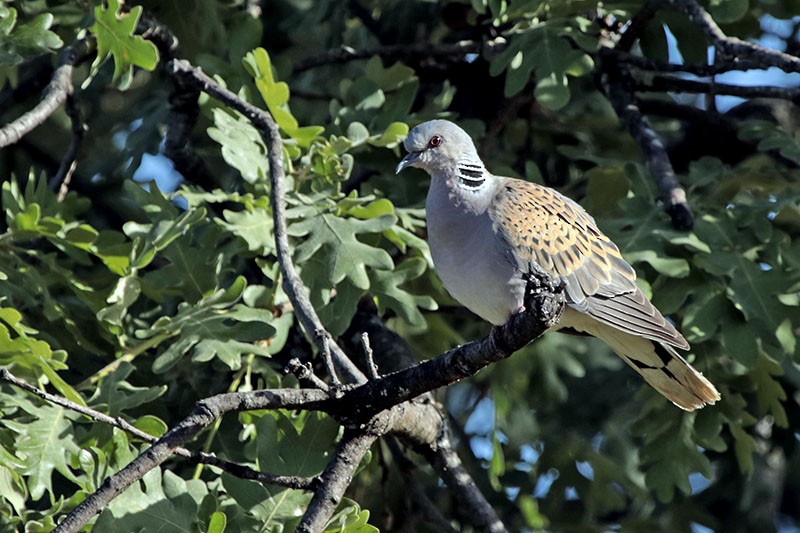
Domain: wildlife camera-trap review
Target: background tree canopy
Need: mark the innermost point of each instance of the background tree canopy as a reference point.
(157, 219)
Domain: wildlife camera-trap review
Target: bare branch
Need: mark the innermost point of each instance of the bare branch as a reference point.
(245, 472)
(730, 51)
(372, 368)
(453, 52)
(336, 478)
(448, 464)
(656, 157)
(304, 372)
(183, 114)
(292, 283)
(69, 163)
(658, 83)
(294, 482)
(325, 339)
(416, 491)
(646, 63)
(54, 95)
(620, 81)
(544, 306)
(203, 415)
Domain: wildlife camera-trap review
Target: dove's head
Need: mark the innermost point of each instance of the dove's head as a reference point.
(439, 146)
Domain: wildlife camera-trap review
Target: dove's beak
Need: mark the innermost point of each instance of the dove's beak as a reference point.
(408, 161)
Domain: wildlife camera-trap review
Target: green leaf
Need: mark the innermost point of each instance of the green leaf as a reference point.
(669, 453)
(728, 11)
(255, 227)
(275, 94)
(115, 395)
(151, 425)
(744, 446)
(671, 267)
(786, 337)
(392, 136)
(20, 41)
(349, 518)
(385, 286)
(552, 91)
(541, 49)
(769, 392)
(336, 308)
(161, 501)
(284, 449)
(46, 441)
(125, 293)
(217, 523)
(18, 348)
(357, 132)
(388, 79)
(215, 327)
(114, 31)
(242, 145)
(739, 341)
(271, 506)
(529, 508)
(334, 239)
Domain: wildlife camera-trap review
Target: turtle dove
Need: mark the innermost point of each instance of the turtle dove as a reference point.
(486, 232)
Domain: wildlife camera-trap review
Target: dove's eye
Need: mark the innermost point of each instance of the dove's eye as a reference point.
(435, 141)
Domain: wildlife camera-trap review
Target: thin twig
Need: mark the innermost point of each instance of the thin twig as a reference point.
(304, 372)
(455, 52)
(372, 368)
(184, 111)
(325, 339)
(245, 472)
(69, 163)
(656, 157)
(55, 94)
(729, 49)
(718, 67)
(658, 83)
(619, 83)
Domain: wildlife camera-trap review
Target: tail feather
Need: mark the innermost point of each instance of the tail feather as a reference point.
(662, 367)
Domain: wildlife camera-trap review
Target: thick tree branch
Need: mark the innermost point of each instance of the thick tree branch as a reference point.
(394, 353)
(55, 94)
(416, 491)
(337, 477)
(656, 157)
(544, 307)
(183, 113)
(203, 415)
(448, 464)
(293, 482)
(360, 407)
(731, 53)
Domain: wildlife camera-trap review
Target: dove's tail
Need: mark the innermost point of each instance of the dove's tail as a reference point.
(657, 362)
(662, 367)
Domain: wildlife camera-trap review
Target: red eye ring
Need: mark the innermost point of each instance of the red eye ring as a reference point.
(435, 141)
